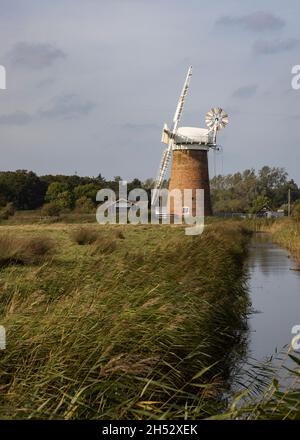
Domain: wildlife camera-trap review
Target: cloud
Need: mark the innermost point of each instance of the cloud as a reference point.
(15, 118)
(270, 47)
(257, 21)
(139, 127)
(46, 82)
(35, 55)
(245, 92)
(67, 106)
(62, 107)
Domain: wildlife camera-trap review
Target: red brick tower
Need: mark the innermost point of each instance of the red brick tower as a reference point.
(189, 170)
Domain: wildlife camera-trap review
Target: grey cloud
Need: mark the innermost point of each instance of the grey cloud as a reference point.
(35, 55)
(257, 21)
(139, 127)
(67, 106)
(270, 47)
(15, 118)
(245, 92)
(45, 83)
(62, 107)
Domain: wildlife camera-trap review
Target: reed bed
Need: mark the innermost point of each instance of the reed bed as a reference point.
(285, 232)
(145, 328)
(269, 398)
(24, 250)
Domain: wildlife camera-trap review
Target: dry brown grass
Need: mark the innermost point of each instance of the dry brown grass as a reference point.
(84, 235)
(105, 245)
(24, 250)
(119, 234)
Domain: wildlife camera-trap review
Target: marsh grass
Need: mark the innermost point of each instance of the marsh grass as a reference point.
(119, 234)
(104, 245)
(145, 330)
(24, 250)
(101, 241)
(84, 235)
(268, 398)
(285, 232)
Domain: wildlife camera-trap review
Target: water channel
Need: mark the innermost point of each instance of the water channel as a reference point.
(274, 290)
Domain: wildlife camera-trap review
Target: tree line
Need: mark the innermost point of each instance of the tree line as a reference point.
(239, 192)
(250, 191)
(25, 190)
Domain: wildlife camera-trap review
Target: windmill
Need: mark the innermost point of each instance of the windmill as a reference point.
(187, 148)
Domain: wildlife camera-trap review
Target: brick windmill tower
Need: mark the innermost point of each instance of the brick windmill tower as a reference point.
(187, 149)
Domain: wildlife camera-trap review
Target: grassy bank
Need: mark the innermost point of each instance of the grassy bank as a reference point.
(285, 232)
(119, 322)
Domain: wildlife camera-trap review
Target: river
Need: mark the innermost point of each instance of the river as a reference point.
(274, 290)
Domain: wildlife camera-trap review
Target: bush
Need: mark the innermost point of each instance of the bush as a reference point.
(3, 215)
(58, 193)
(10, 209)
(84, 205)
(21, 250)
(296, 212)
(7, 211)
(84, 235)
(51, 210)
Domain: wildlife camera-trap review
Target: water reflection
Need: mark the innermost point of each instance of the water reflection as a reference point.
(267, 258)
(275, 295)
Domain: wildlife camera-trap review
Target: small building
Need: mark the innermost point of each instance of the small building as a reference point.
(267, 212)
(122, 205)
(264, 212)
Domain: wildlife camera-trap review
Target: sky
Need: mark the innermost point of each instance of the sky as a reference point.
(90, 83)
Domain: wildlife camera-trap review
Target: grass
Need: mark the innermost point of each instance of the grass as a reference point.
(24, 250)
(84, 235)
(103, 243)
(285, 232)
(141, 323)
(272, 400)
(37, 217)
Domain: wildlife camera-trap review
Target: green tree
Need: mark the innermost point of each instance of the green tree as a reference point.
(270, 179)
(59, 194)
(22, 188)
(84, 205)
(259, 203)
(51, 210)
(88, 190)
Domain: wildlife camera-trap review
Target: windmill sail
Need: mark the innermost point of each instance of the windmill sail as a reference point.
(168, 136)
(182, 97)
(161, 173)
